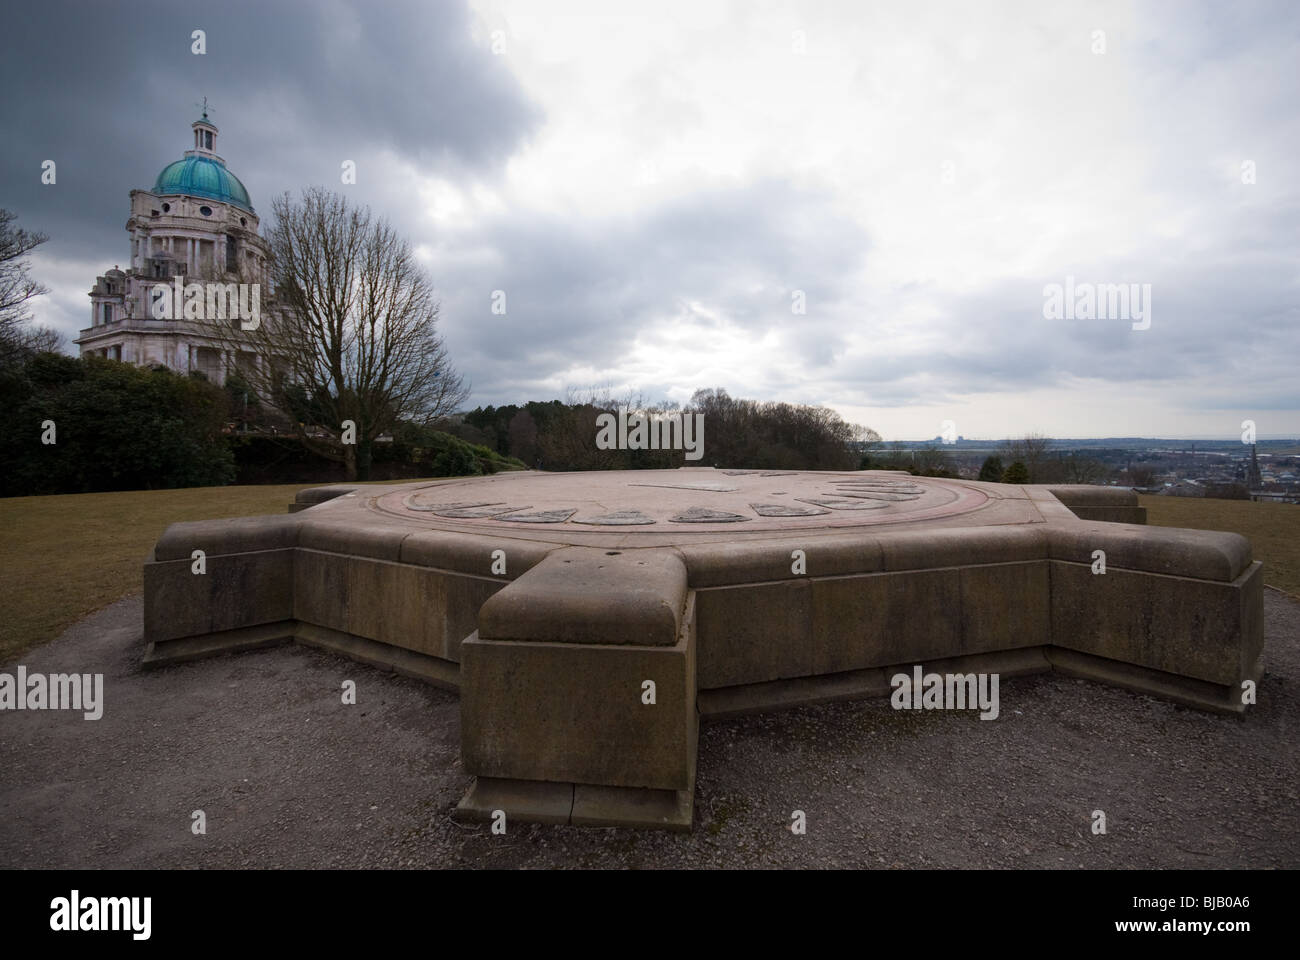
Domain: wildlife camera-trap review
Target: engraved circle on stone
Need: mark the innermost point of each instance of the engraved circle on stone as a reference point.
(785, 510)
(540, 516)
(554, 506)
(705, 515)
(619, 518)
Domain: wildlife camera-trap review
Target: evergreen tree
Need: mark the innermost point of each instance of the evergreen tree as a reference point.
(1016, 473)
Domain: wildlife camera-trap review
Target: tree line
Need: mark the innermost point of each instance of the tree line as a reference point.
(88, 424)
(739, 433)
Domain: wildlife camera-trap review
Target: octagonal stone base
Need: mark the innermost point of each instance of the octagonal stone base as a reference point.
(589, 620)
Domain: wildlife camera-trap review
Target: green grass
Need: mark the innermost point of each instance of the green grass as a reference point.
(64, 557)
(1273, 529)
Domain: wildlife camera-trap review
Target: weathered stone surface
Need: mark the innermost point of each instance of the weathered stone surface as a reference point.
(1176, 625)
(705, 515)
(922, 549)
(842, 503)
(380, 540)
(884, 485)
(858, 684)
(182, 649)
(1004, 606)
(417, 503)
(745, 562)
(713, 487)
(238, 590)
(786, 510)
(619, 518)
(595, 806)
(312, 496)
(580, 595)
(480, 512)
(1201, 554)
(575, 712)
(753, 633)
(476, 554)
(218, 537)
(881, 619)
(539, 516)
(862, 494)
(384, 656)
(531, 801)
(404, 606)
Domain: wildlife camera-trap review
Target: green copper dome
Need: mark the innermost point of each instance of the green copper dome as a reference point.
(202, 177)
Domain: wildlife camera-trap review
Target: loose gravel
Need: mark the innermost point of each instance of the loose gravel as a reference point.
(287, 775)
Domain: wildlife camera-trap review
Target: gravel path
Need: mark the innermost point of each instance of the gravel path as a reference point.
(289, 776)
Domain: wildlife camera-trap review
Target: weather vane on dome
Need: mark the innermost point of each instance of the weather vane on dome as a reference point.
(204, 106)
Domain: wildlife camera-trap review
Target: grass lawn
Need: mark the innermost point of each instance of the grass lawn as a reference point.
(1273, 529)
(64, 557)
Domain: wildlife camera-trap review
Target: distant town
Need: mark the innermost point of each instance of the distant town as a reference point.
(1268, 469)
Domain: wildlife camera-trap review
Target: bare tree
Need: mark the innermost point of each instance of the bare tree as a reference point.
(1083, 469)
(1143, 475)
(1032, 451)
(16, 285)
(351, 332)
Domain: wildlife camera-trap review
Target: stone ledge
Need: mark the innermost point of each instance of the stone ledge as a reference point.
(576, 804)
(162, 653)
(858, 684)
(581, 595)
(220, 537)
(305, 499)
(532, 801)
(407, 663)
(1195, 554)
(1187, 691)
(434, 670)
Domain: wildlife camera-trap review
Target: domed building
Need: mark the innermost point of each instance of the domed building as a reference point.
(198, 224)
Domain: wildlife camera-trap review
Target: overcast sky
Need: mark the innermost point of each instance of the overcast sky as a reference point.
(655, 185)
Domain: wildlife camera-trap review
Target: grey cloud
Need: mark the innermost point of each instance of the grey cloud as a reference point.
(583, 290)
(108, 92)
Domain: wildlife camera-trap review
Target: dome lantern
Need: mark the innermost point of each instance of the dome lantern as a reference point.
(205, 133)
(202, 173)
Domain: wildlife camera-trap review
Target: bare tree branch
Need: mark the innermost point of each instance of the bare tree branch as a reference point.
(16, 285)
(351, 331)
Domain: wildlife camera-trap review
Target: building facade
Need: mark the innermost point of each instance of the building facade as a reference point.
(197, 224)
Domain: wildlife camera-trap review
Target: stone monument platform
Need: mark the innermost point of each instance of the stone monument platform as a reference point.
(589, 620)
